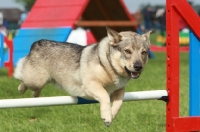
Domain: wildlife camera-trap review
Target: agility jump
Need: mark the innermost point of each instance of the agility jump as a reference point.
(176, 9)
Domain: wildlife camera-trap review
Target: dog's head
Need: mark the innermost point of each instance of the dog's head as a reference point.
(128, 52)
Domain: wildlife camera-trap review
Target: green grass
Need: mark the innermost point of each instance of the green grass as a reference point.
(153, 37)
(140, 116)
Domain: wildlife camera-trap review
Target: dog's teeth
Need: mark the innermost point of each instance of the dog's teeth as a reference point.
(132, 75)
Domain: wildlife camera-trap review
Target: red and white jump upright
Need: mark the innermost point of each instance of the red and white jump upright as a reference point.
(174, 10)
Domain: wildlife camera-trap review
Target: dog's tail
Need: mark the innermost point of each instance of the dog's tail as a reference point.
(19, 69)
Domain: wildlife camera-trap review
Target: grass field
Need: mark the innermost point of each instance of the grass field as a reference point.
(153, 37)
(140, 116)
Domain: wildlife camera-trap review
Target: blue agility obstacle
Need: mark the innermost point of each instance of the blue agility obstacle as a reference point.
(1, 50)
(194, 101)
(26, 37)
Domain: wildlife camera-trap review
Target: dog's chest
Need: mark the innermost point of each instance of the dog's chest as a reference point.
(117, 84)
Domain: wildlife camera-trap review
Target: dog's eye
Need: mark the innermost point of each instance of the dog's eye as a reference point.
(144, 52)
(128, 51)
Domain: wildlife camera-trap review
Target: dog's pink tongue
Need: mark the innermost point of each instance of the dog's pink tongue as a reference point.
(134, 74)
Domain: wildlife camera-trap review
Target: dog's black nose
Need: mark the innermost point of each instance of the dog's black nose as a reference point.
(137, 66)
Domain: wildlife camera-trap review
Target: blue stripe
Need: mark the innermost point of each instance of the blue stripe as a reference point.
(1, 50)
(85, 101)
(194, 100)
(26, 37)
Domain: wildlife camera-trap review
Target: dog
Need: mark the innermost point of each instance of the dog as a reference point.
(99, 71)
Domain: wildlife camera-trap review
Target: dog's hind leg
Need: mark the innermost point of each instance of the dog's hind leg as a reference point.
(36, 85)
(37, 93)
(36, 80)
(22, 88)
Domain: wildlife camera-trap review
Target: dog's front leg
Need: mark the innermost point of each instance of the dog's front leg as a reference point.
(97, 91)
(117, 99)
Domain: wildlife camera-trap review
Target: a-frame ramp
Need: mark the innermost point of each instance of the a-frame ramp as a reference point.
(55, 19)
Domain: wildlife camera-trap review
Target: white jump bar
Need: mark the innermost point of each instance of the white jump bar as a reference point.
(69, 100)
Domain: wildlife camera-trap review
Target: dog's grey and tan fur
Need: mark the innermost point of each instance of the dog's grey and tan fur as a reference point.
(99, 71)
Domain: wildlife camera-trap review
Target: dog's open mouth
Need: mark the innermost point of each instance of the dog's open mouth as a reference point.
(133, 75)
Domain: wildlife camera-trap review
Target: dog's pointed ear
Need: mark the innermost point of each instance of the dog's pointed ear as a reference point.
(146, 36)
(113, 36)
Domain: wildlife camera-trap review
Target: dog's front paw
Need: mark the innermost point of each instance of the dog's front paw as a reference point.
(106, 117)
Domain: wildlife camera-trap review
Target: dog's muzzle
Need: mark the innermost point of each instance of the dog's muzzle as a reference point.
(134, 74)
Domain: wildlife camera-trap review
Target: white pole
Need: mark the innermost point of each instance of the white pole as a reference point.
(37, 102)
(145, 95)
(69, 100)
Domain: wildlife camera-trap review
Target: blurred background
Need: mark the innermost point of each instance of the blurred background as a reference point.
(148, 15)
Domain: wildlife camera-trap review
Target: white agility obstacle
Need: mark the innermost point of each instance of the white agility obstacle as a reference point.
(69, 100)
